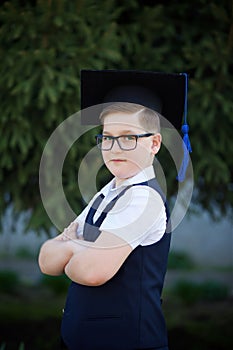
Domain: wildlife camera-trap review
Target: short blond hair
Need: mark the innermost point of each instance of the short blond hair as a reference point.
(149, 119)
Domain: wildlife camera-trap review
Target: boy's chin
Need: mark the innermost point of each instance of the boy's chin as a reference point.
(124, 176)
(121, 172)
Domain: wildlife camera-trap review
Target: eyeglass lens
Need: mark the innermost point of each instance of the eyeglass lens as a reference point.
(124, 142)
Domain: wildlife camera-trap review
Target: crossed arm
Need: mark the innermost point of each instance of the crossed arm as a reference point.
(92, 263)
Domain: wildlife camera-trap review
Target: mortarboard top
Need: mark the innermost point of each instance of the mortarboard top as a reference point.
(162, 92)
(166, 93)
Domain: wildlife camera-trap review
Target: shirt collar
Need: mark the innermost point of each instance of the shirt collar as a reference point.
(144, 175)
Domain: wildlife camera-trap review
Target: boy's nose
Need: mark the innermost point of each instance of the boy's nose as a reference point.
(116, 147)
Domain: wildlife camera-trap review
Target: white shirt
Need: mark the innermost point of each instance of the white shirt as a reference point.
(138, 217)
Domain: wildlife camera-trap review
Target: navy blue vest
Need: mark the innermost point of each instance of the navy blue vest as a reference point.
(124, 313)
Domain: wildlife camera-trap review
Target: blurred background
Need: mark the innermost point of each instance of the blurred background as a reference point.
(43, 46)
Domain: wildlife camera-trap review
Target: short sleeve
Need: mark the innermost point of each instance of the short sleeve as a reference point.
(138, 217)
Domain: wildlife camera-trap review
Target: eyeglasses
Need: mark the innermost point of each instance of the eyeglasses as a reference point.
(125, 142)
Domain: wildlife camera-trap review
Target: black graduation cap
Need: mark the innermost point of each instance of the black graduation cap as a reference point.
(165, 93)
(162, 92)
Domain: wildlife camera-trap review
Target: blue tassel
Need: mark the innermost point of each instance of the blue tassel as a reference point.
(186, 142)
(186, 150)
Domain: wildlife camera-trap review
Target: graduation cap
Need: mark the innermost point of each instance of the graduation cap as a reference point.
(166, 93)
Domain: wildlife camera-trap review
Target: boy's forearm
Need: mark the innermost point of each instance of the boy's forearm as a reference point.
(54, 255)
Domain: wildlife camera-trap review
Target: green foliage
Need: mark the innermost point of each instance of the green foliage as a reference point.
(45, 44)
(190, 292)
(9, 281)
(180, 261)
(24, 253)
(58, 284)
(3, 346)
(199, 40)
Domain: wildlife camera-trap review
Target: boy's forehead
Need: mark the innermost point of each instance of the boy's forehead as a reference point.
(122, 120)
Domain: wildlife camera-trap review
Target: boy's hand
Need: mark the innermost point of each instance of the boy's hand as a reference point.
(69, 232)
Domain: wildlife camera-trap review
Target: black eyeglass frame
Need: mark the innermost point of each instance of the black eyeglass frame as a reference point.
(115, 138)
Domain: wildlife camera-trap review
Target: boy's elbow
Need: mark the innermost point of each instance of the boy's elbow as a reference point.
(88, 277)
(47, 268)
(42, 259)
(96, 278)
(42, 265)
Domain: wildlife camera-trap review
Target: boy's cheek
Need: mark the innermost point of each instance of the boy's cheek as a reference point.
(105, 157)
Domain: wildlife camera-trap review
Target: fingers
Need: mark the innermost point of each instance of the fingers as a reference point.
(70, 232)
(73, 225)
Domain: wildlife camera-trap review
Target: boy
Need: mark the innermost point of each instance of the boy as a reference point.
(116, 252)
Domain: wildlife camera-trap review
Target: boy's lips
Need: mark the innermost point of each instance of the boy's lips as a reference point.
(118, 160)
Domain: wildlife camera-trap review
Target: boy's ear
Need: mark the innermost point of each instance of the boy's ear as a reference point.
(157, 140)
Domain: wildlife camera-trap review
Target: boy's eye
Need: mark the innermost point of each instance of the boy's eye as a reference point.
(106, 138)
(129, 138)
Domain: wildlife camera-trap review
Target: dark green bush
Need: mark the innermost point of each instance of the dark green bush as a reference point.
(180, 260)
(24, 253)
(213, 291)
(9, 281)
(190, 292)
(58, 284)
(3, 346)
